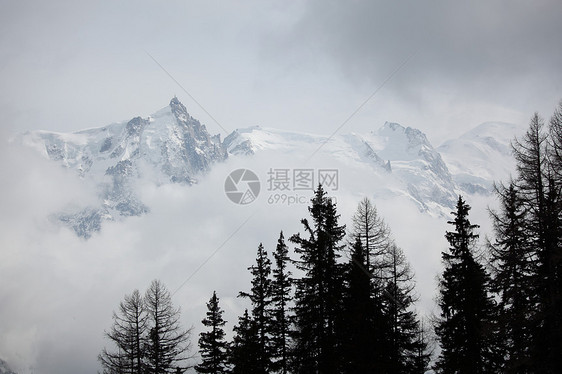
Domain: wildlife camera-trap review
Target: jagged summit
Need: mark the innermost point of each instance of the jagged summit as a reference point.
(171, 146)
(174, 145)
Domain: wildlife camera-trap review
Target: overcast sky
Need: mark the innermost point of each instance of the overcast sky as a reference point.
(301, 65)
(443, 67)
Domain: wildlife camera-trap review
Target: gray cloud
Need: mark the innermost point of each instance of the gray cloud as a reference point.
(302, 65)
(58, 291)
(67, 65)
(487, 42)
(496, 57)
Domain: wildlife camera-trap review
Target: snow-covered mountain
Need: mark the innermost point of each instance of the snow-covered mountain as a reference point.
(405, 160)
(481, 156)
(170, 146)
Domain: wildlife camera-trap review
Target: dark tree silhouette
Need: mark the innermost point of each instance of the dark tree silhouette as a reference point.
(212, 346)
(260, 296)
(374, 234)
(319, 293)
(244, 349)
(538, 183)
(359, 333)
(281, 320)
(128, 334)
(513, 265)
(167, 343)
(465, 326)
(408, 352)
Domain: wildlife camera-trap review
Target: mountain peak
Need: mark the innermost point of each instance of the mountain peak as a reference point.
(179, 110)
(175, 101)
(393, 126)
(174, 146)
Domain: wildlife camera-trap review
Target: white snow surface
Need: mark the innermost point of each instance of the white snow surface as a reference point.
(482, 155)
(402, 159)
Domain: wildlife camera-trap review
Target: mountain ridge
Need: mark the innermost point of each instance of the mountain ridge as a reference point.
(170, 146)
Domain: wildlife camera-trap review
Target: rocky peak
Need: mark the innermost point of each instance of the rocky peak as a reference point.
(134, 127)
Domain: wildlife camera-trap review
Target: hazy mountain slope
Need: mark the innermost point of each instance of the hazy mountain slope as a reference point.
(172, 147)
(169, 146)
(403, 158)
(481, 156)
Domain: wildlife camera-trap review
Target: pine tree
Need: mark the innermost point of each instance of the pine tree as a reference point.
(261, 298)
(408, 351)
(318, 295)
(465, 327)
(212, 346)
(167, 343)
(513, 264)
(280, 298)
(128, 332)
(359, 334)
(244, 349)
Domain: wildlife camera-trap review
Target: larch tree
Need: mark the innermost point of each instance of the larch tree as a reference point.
(167, 344)
(374, 234)
(538, 184)
(127, 334)
(405, 343)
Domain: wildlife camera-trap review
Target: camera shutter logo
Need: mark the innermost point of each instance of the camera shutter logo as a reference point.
(242, 186)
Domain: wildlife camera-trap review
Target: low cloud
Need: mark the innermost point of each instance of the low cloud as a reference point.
(59, 290)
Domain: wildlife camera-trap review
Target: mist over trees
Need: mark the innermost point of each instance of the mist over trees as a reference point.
(343, 300)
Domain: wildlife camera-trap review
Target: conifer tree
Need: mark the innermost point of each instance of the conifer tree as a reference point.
(370, 228)
(147, 334)
(280, 298)
(128, 334)
(465, 326)
(555, 154)
(551, 258)
(167, 343)
(537, 183)
(359, 335)
(318, 295)
(260, 296)
(244, 347)
(407, 350)
(513, 266)
(212, 346)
